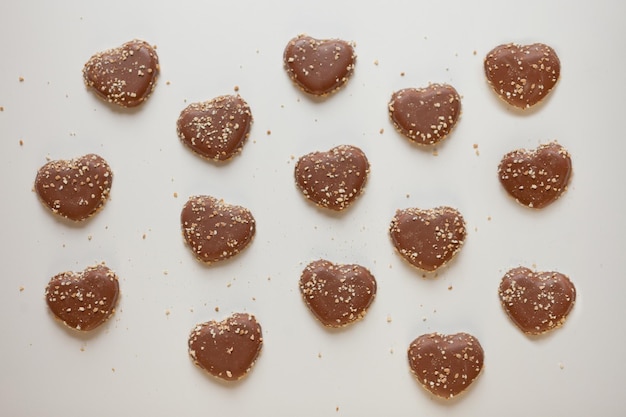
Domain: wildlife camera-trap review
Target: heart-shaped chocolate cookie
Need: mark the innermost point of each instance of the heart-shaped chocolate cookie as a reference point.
(337, 294)
(319, 66)
(216, 129)
(446, 364)
(84, 300)
(227, 349)
(333, 179)
(425, 115)
(215, 230)
(428, 238)
(522, 75)
(536, 302)
(537, 177)
(75, 188)
(125, 75)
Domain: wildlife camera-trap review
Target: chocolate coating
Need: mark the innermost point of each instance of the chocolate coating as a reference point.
(425, 115)
(84, 300)
(536, 302)
(125, 75)
(319, 66)
(337, 294)
(215, 230)
(227, 349)
(446, 364)
(333, 179)
(216, 129)
(75, 189)
(428, 238)
(522, 75)
(538, 177)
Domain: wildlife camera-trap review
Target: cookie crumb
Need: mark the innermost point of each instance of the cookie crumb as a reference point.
(474, 52)
(450, 287)
(112, 369)
(236, 88)
(165, 272)
(388, 318)
(435, 152)
(489, 218)
(175, 195)
(89, 237)
(1, 108)
(402, 74)
(217, 309)
(167, 312)
(391, 350)
(21, 142)
(381, 131)
(167, 82)
(319, 355)
(269, 132)
(375, 62)
(561, 366)
(143, 236)
(21, 79)
(21, 288)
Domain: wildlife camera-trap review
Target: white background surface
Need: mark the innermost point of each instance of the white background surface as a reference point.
(137, 363)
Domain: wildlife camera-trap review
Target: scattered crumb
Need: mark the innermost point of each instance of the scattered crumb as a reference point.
(375, 62)
(450, 287)
(82, 348)
(236, 88)
(165, 272)
(21, 288)
(269, 132)
(1, 108)
(89, 237)
(21, 142)
(113, 369)
(391, 350)
(217, 309)
(388, 318)
(424, 318)
(435, 152)
(175, 195)
(143, 236)
(228, 285)
(167, 312)
(319, 355)
(474, 52)
(21, 79)
(337, 408)
(489, 218)
(561, 366)
(167, 82)
(408, 195)
(402, 74)
(381, 131)
(253, 298)
(475, 146)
